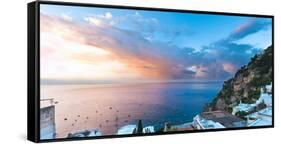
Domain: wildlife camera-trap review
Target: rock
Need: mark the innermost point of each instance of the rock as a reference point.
(246, 83)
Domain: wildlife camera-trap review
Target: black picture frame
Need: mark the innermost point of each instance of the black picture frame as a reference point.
(33, 106)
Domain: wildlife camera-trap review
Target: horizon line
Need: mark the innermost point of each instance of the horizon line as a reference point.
(74, 82)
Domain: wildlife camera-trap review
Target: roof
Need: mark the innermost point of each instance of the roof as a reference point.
(224, 118)
(267, 111)
(128, 129)
(184, 129)
(210, 124)
(85, 133)
(264, 112)
(244, 107)
(260, 122)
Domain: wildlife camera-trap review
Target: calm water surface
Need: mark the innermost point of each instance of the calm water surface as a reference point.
(108, 107)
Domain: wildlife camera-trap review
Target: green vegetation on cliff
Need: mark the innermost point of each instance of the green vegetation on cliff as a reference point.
(246, 84)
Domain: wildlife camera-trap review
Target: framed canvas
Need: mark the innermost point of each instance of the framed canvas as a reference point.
(106, 71)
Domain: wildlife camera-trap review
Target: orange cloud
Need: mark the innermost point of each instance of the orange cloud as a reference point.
(80, 45)
(228, 67)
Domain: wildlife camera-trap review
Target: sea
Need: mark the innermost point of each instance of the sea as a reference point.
(108, 107)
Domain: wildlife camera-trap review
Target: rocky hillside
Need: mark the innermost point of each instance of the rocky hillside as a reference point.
(246, 83)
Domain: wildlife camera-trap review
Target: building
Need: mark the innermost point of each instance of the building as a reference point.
(260, 118)
(202, 123)
(85, 133)
(265, 97)
(135, 129)
(47, 119)
(127, 129)
(174, 128)
(130, 129)
(148, 129)
(243, 107)
(216, 120)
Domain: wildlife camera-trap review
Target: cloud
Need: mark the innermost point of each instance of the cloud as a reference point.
(66, 17)
(151, 28)
(226, 52)
(252, 26)
(105, 16)
(108, 15)
(228, 67)
(154, 59)
(94, 21)
(126, 46)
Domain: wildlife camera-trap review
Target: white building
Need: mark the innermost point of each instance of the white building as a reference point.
(260, 118)
(243, 107)
(85, 133)
(129, 129)
(47, 119)
(201, 123)
(148, 129)
(265, 97)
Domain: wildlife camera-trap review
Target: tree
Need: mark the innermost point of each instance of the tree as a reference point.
(139, 127)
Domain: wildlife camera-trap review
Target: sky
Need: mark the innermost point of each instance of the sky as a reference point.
(87, 44)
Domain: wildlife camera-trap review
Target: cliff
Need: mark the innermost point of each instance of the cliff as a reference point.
(246, 83)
